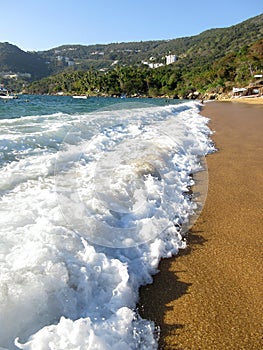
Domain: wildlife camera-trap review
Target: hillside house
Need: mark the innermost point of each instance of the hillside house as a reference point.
(170, 59)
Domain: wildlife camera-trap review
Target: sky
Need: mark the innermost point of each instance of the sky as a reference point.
(35, 25)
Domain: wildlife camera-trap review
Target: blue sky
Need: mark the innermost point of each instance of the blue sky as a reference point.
(41, 25)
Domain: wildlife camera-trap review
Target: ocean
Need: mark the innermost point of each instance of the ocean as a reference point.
(93, 194)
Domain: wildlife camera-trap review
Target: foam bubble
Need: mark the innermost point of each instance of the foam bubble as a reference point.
(77, 245)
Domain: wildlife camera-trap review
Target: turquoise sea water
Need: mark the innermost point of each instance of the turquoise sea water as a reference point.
(29, 105)
(30, 114)
(93, 193)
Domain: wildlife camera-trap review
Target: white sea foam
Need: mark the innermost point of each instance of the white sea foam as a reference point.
(83, 228)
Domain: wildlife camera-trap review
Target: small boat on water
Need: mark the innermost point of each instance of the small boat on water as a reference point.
(4, 94)
(84, 97)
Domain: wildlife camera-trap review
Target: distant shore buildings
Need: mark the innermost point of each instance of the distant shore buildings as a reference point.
(11, 75)
(169, 59)
(152, 65)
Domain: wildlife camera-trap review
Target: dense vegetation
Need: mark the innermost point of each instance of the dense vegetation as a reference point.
(237, 68)
(213, 61)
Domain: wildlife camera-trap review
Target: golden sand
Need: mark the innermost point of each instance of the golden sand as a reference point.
(251, 100)
(210, 297)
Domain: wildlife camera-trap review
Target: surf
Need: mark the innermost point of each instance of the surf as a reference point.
(85, 223)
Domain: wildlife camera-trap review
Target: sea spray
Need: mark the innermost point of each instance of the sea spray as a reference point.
(88, 209)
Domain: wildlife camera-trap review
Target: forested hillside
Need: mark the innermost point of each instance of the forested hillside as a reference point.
(237, 68)
(213, 61)
(15, 60)
(190, 51)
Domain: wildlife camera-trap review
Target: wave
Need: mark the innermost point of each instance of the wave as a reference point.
(85, 224)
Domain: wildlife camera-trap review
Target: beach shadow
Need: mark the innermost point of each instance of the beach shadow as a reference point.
(156, 299)
(194, 241)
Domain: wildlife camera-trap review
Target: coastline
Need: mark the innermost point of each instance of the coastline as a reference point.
(250, 100)
(209, 297)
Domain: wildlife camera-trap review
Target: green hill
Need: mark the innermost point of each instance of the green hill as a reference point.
(213, 60)
(15, 60)
(191, 51)
(203, 48)
(237, 68)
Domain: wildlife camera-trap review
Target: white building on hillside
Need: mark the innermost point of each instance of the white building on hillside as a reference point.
(170, 59)
(152, 65)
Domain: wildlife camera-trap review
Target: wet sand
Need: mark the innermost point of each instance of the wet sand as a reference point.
(210, 297)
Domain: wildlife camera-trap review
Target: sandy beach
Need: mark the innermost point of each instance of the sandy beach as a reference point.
(210, 297)
(250, 100)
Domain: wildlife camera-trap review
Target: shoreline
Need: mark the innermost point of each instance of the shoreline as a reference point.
(250, 100)
(209, 297)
